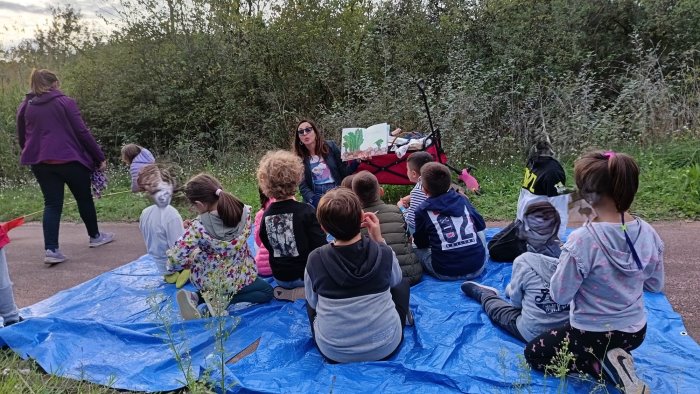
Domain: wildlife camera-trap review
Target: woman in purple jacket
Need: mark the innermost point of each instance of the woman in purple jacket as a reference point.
(61, 151)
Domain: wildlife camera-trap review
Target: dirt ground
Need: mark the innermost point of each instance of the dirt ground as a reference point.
(35, 281)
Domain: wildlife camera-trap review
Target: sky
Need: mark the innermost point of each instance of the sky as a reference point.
(20, 18)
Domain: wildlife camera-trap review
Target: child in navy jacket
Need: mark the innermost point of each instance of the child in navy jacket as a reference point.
(449, 231)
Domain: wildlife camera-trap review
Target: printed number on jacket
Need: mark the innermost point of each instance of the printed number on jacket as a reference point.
(454, 232)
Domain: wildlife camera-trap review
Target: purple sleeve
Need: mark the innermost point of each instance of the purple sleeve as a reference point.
(21, 132)
(81, 130)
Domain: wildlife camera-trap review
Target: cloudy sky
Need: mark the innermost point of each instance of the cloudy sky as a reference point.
(20, 18)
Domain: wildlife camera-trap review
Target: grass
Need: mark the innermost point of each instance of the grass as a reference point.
(666, 188)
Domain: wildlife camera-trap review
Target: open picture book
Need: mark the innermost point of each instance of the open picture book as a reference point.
(358, 142)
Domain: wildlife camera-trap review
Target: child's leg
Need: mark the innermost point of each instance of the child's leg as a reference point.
(502, 314)
(8, 308)
(258, 292)
(589, 348)
(400, 294)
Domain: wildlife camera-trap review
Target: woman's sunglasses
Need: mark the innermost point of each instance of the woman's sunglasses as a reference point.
(306, 130)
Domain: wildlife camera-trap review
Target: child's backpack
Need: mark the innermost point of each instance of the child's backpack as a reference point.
(507, 245)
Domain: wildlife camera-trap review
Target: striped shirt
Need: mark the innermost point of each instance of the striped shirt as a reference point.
(417, 198)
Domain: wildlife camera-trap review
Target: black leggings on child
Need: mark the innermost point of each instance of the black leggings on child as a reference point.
(589, 347)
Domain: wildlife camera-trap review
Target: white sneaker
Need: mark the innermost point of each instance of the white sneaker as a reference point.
(188, 301)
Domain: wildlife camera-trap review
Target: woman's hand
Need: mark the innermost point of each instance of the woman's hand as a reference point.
(103, 165)
(371, 222)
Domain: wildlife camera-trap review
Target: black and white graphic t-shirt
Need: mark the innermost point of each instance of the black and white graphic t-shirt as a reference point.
(289, 230)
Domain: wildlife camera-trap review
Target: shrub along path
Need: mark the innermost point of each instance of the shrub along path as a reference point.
(35, 281)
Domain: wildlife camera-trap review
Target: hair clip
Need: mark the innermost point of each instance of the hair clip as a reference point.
(609, 154)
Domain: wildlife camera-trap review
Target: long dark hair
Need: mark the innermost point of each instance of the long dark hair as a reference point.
(608, 173)
(203, 188)
(298, 147)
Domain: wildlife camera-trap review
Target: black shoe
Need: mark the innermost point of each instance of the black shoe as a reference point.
(477, 291)
(9, 323)
(618, 365)
(409, 319)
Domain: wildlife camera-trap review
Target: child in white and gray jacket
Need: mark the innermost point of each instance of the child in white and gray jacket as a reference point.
(531, 310)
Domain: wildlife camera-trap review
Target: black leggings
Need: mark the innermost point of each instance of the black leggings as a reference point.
(52, 179)
(589, 347)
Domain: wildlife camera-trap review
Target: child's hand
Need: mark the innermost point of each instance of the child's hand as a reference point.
(371, 222)
(186, 223)
(404, 201)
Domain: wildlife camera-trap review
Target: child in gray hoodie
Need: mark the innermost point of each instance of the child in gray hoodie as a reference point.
(603, 269)
(531, 311)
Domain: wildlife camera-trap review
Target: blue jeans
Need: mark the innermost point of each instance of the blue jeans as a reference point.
(320, 190)
(426, 260)
(8, 308)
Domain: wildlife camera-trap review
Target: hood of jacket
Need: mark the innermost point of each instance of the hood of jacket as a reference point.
(34, 99)
(450, 203)
(217, 229)
(543, 266)
(355, 264)
(540, 228)
(612, 243)
(144, 157)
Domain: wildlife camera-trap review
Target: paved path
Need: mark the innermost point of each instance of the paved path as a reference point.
(35, 281)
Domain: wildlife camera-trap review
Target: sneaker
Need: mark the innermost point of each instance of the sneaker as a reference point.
(9, 323)
(618, 365)
(409, 319)
(216, 308)
(283, 294)
(477, 290)
(188, 301)
(103, 238)
(54, 257)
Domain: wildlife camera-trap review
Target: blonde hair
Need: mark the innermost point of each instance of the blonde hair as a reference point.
(151, 176)
(41, 81)
(280, 173)
(129, 152)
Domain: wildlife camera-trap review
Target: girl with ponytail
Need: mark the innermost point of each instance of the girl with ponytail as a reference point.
(215, 249)
(602, 272)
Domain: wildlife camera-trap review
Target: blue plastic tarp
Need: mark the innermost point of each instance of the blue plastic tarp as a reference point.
(123, 328)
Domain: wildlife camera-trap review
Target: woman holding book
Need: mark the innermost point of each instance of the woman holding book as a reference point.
(323, 167)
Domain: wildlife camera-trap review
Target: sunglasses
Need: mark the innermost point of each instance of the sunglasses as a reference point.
(305, 131)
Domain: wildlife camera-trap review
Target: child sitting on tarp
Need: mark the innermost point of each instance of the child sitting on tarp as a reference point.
(391, 224)
(136, 157)
(544, 180)
(160, 223)
(531, 311)
(289, 229)
(357, 299)
(8, 308)
(449, 237)
(215, 248)
(410, 203)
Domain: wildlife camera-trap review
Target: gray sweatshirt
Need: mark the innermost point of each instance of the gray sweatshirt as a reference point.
(529, 290)
(597, 274)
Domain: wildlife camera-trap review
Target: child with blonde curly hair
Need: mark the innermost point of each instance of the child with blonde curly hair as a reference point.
(289, 229)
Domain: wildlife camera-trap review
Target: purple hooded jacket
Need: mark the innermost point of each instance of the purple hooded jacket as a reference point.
(50, 128)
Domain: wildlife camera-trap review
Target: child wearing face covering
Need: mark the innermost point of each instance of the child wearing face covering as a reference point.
(160, 223)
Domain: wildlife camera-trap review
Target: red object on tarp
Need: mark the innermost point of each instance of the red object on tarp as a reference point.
(391, 170)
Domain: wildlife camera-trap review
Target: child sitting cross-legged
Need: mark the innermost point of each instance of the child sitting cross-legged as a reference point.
(391, 223)
(288, 229)
(449, 238)
(357, 299)
(532, 311)
(215, 248)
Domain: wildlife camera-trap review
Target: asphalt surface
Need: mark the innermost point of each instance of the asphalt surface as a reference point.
(35, 281)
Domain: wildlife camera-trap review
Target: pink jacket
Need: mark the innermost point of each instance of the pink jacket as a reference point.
(262, 258)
